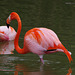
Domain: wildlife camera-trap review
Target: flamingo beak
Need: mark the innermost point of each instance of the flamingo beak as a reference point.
(8, 21)
(7, 25)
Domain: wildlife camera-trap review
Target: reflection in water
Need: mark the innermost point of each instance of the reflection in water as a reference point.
(69, 71)
(6, 47)
(22, 68)
(19, 66)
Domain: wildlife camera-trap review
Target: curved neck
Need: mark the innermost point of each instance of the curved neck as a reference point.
(18, 49)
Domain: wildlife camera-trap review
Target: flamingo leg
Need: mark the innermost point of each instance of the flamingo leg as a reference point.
(41, 59)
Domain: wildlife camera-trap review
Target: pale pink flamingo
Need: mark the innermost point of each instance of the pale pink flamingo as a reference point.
(7, 47)
(7, 34)
(37, 40)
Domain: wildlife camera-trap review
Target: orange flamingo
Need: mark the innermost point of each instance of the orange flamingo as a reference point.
(37, 40)
(7, 34)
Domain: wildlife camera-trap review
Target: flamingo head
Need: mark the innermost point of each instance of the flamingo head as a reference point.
(12, 16)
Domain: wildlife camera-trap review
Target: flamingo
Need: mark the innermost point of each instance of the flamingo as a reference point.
(7, 47)
(7, 34)
(39, 41)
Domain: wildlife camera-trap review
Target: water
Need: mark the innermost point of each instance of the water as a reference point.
(56, 15)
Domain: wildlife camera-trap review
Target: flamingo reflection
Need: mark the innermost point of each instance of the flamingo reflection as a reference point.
(25, 70)
(69, 71)
(22, 68)
(6, 47)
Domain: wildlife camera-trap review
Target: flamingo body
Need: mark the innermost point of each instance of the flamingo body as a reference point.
(38, 40)
(7, 34)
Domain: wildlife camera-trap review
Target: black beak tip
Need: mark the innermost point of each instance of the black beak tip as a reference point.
(7, 25)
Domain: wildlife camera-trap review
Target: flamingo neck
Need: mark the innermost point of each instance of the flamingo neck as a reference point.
(18, 49)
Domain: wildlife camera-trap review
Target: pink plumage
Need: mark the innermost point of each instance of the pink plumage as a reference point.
(7, 34)
(47, 38)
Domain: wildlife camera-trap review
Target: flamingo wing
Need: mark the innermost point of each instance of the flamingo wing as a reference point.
(3, 36)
